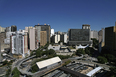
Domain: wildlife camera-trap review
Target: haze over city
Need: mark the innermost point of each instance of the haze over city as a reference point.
(61, 15)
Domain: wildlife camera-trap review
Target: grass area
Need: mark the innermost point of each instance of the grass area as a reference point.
(71, 47)
(67, 62)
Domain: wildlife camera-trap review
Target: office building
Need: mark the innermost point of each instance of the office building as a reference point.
(2, 29)
(43, 38)
(32, 39)
(110, 38)
(52, 32)
(80, 36)
(101, 39)
(40, 28)
(12, 28)
(55, 38)
(63, 38)
(94, 34)
(3, 45)
(19, 44)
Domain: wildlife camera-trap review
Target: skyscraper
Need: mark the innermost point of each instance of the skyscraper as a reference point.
(110, 39)
(43, 35)
(17, 45)
(32, 41)
(40, 28)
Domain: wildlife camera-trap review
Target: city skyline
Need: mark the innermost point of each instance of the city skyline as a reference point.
(60, 15)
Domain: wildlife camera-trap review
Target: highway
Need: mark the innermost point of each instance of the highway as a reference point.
(92, 63)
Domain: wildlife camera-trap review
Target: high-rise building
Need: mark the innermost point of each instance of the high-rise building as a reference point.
(110, 39)
(94, 34)
(101, 38)
(32, 41)
(63, 38)
(2, 29)
(2, 38)
(19, 44)
(80, 36)
(43, 35)
(25, 43)
(12, 28)
(52, 32)
(40, 28)
(56, 38)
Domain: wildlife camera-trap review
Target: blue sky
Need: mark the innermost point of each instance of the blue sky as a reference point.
(60, 14)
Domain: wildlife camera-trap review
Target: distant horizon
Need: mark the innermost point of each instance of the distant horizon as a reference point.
(61, 15)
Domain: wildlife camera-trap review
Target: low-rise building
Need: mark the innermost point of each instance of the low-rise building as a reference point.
(49, 63)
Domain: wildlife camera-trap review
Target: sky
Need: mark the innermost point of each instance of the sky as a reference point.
(61, 15)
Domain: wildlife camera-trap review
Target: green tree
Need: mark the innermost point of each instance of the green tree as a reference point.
(113, 71)
(34, 68)
(16, 72)
(110, 57)
(95, 42)
(5, 62)
(87, 51)
(102, 59)
(80, 51)
(51, 52)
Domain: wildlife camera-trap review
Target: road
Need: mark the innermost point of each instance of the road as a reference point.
(89, 62)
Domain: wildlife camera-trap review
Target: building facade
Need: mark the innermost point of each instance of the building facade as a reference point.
(2, 29)
(19, 44)
(80, 36)
(40, 28)
(63, 38)
(52, 32)
(101, 38)
(43, 35)
(12, 28)
(2, 40)
(110, 39)
(94, 34)
(32, 41)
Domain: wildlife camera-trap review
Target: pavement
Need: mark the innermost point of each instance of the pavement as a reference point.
(89, 63)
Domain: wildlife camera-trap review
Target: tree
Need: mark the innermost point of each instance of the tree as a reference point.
(112, 71)
(110, 57)
(80, 51)
(87, 51)
(16, 72)
(51, 52)
(95, 42)
(102, 59)
(5, 62)
(34, 68)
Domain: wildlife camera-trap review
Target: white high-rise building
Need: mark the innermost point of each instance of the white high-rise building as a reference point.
(52, 32)
(32, 40)
(19, 44)
(94, 34)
